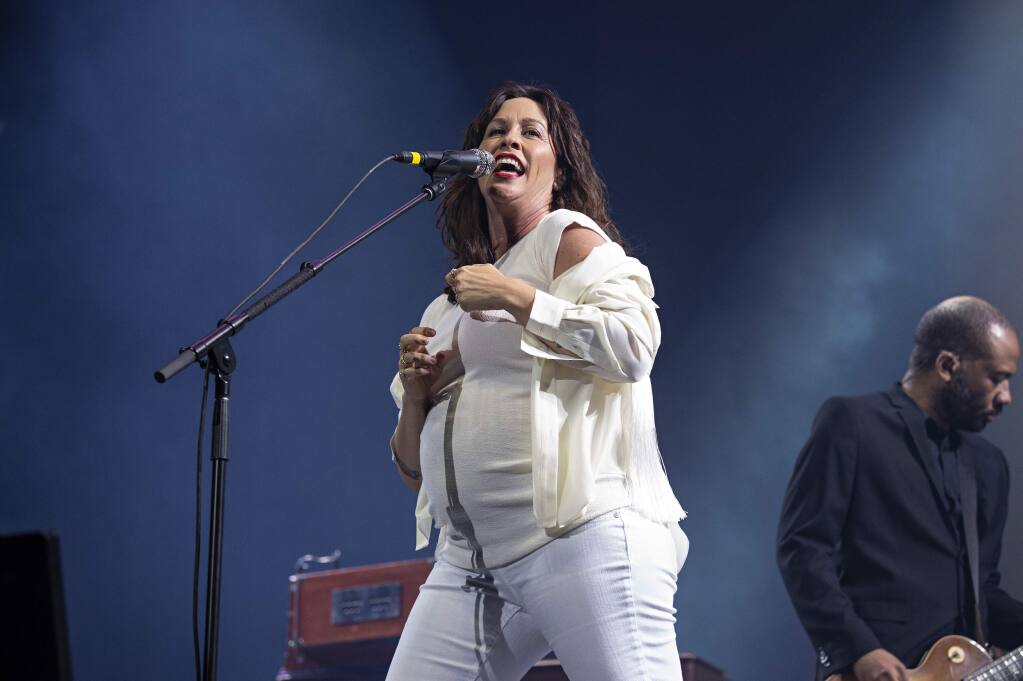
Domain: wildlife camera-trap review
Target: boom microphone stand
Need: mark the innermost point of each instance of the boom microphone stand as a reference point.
(215, 348)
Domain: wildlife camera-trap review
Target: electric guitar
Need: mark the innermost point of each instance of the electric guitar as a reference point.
(957, 658)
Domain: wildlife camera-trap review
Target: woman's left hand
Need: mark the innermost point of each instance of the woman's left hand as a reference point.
(483, 287)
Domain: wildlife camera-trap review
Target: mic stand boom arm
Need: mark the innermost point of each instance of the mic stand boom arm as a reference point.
(215, 348)
(233, 324)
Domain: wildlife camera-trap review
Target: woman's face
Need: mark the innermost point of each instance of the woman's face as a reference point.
(520, 141)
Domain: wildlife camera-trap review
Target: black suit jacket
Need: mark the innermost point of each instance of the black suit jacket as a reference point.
(868, 552)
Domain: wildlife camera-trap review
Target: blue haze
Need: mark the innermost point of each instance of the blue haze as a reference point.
(802, 181)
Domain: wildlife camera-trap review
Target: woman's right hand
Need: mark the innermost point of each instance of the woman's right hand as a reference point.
(417, 368)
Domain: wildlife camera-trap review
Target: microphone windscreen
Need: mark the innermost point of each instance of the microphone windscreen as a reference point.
(486, 164)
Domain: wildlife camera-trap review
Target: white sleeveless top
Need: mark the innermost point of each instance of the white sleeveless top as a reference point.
(475, 446)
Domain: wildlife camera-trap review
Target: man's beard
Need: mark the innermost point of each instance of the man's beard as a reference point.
(960, 407)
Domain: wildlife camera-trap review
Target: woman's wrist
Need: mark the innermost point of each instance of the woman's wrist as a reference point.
(413, 402)
(519, 300)
(408, 471)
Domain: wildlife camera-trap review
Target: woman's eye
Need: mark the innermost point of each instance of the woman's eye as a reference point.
(495, 131)
(533, 132)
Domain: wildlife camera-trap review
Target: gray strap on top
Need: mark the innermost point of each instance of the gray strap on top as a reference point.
(968, 496)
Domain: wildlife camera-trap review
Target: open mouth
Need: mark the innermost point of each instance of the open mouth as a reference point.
(508, 166)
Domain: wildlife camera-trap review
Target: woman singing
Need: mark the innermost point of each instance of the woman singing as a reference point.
(527, 426)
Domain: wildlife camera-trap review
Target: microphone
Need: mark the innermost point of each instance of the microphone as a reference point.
(473, 162)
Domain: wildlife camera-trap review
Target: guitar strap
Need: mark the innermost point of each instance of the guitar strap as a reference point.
(968, 497)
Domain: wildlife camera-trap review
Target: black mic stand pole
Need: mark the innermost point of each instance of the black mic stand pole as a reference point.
(221, 364)
(215, 348)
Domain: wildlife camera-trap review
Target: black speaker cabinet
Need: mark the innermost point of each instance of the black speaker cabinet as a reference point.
(33, 628)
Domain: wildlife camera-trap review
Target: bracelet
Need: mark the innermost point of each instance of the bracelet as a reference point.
(410, 472)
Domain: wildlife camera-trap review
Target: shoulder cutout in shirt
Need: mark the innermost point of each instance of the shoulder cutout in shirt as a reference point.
(576, 243)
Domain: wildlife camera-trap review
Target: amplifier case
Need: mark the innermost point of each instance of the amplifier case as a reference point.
(344, 624)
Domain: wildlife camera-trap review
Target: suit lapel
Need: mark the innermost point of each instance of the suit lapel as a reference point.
(921, 449)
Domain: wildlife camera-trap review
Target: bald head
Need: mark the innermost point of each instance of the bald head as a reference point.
(964, 325)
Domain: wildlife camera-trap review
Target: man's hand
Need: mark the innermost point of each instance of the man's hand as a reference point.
(880, 665)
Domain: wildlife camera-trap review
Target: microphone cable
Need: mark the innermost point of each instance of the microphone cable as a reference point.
(198, 521)
(309, 238)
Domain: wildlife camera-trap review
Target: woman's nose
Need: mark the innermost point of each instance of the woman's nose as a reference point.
(511, 139)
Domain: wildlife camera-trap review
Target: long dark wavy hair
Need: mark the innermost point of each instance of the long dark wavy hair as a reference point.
(462, 215)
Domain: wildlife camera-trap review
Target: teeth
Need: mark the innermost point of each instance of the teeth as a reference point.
(510, 161)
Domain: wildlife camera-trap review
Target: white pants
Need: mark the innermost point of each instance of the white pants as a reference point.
(599, 596)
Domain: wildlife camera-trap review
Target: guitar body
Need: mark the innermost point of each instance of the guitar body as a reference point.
(950, 659)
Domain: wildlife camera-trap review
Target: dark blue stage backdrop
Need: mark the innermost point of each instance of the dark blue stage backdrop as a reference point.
(802, 182)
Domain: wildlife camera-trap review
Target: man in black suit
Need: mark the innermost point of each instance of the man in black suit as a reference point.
(871, 543)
